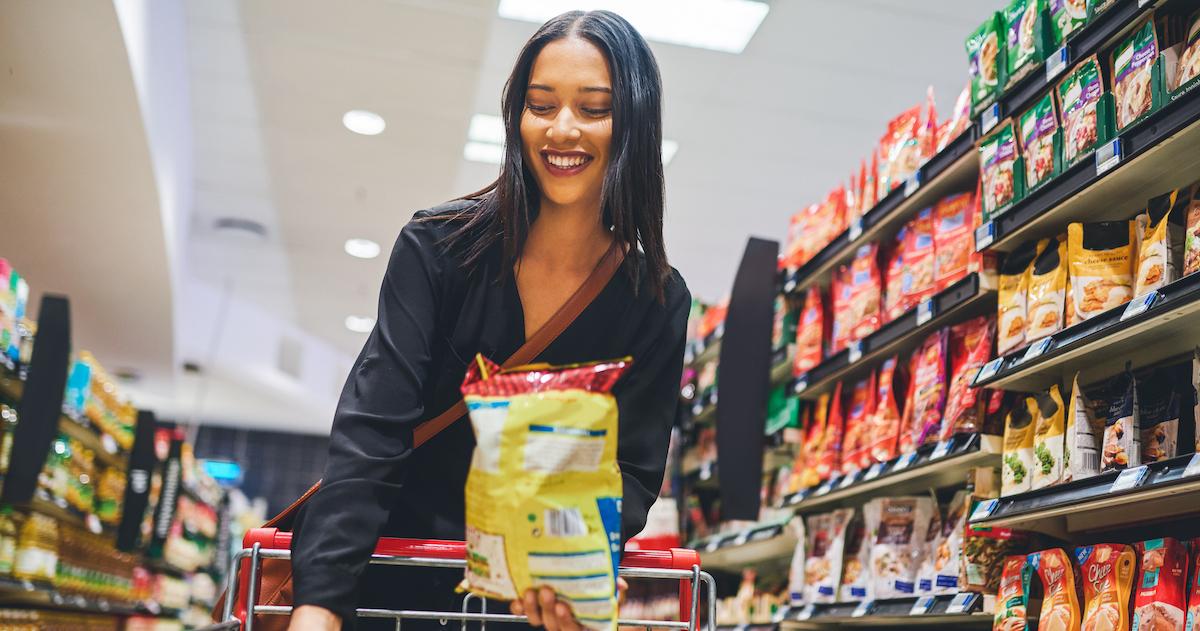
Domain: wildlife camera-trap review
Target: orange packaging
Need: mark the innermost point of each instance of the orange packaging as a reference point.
(927, 139)
(856, 447)
(970, 349)
(866, 292)
(893, 294)
(843, 316)
(953, 238)
(1012, 599)
(831, 447)
(1060, 601)
(885, 422)
(814, 441)
(1161, 590)
(853, 209)
(870, 188)
(898, 151)
(919, 259)
(1193, 612)
(1106, 571)
(810, 332)
(831, 219)
(922, 420)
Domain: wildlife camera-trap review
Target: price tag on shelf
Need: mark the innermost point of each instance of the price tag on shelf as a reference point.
(1108, 156)
(1128, 479)
(984, 509)
(865, 607)
(942, 450)
(28, 586)
(1193, 466)
(904, 461)
(1036, 349)
(922, 606)
(93, 524)
(874, 471)
(1056, 63)
(741, 539)
(801, 384)
(912, 184)
(984, 236)
(790, 285)
(924, 311)
(780, 615)
(962, 602)
(740, 627)
(1140, 305)
(1143, 3)
(713, 544)
(855, 351)
(110, 443)
(826, 487)
(806, 613)
(988, 370)
(989, 118)
(856, 229)
(848, 480)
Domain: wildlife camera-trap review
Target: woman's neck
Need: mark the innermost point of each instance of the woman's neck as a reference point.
(567, 237)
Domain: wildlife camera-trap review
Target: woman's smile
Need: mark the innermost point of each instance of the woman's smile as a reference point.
(565, 163)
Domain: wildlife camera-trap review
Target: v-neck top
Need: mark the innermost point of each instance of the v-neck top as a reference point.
(433, 318)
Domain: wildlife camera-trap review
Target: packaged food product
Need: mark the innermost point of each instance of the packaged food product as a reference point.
(1193, 612)
(870, 185)
(984, 56)
(1196, 397)
(1132, 64)
(1189, 55)
(1083, 435)
(960, 119)
(1078, 98)
(997, 159)
(841, 291)
(1106, 571)
(970, 349)
(1101, 259)
(953, 238)
(1160, 593)
(1020, 24)
(926, 393)
(856, 448)
(894, 302)
(1048, 436)
(568, 416)
(855, 583)
(826, 544)
(1158, 416)
(927, 138)
(983, 552)
(831, 447)
(1191, 248)
(1122, 427)
(898, 151)
(919, 260)
(831, 218)
(1013, 596)
(885, 422)
(811, 332)
(1060, 602)
(814, 442)
(1161, 240)
(797, 568)
(899, 525)
(932, 540)
(1013, 297)
(1018, 448)
(1047, 293)
(866, 292)
(1038, 125)
(947, 556)
(1067, 16)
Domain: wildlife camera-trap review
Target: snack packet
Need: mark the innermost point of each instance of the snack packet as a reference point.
(1067, 16)
(1193, 613)
(1047, 295)
(885, 422)
(1101, 259)
(1122, 429)
(1083, 435)
(947, 556)
(1048, 436)
(1060, 603)
(1013, 297)
(856, 449)
(1038, 125)
(900, 525)
(831, 447)
(1191, 248)
(796, 569)
(984, 56)
(953, 238)
(855, 583)
(870, 185)
(866, 292)
(826, 544)
(1196, 397)
(997, 159)
(811, 332)
(926, 393)
(894, 303)
(567, 416)
(1107, 571)
(1160, 593)
(1158, 416)
(899, 151)
(1018, 448)
(1078, 97)
(1132, 63)
(840, 292)
(1020, 23)
(983, 553)
(932, 540)
(960, 119)
(814, 442)
(1161, 240)
(919, 261)
(970, 349)
(1013, 596)
(1188, 67)
(927, 138)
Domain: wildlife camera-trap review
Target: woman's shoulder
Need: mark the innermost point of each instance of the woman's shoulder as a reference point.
(677, 298)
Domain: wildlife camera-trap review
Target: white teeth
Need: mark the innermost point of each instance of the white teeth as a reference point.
(564, 162)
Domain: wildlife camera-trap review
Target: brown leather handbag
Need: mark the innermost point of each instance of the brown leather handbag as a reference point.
(276, 574)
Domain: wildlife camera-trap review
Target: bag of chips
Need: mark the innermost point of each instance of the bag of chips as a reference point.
(856, 448)
(841, 292)
(1122, 427)
(1132, 70)
(814, 442)
(1193, 612)
(1083, 435)
(1020, 23)
(933, 538)
(886, 421)
(953, 238)
(959, 121)
(1078, 98)
(1161, 589)
(899, 155)
(543, 496)
(1018, 448)
(947, 555)
(1101, 259)
(896, 270)
(926, 393)
(927, 138)
(997, 171)
(919, 260)
(1047, 292)
(831, 447)
(1013, 597)
(985, 49)
(1048, 436)
(1037, 126)
(866, 292)
(1107, 574)
(970, 349)
(1013, 297)
(811, 332)
(1060, 602)
(1158, 416)
(899, 525)
(826, 545)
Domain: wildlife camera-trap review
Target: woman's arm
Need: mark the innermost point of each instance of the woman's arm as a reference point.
(371, 439)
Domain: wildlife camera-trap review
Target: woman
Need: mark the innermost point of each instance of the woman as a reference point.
(582, 173)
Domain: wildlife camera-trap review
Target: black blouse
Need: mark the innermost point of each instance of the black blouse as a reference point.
(433, 319)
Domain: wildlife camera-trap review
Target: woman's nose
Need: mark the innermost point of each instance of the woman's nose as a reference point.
(564, 127)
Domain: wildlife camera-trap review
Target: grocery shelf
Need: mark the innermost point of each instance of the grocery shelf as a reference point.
(969, 613)
(1099, 347)
(103, 446)
(933, 466)
(1159, 491)
(781, 366)
(28, 593)
(163, 567)
(11, 386)
(707, 351)
(59, 509)
(1157, 155)
(973, 295)
(953, 170)
(769, 544)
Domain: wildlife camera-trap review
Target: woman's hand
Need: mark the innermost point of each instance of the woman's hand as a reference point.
(313, 618)
(544, 610)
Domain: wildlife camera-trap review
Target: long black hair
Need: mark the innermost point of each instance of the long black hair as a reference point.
(632, 193)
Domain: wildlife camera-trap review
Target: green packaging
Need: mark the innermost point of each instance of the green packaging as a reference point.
(1066, 17)
(1020, 25)
(1132, 72)
(1038, 125)
(984, 57)
(1078, 96)
(997, 159)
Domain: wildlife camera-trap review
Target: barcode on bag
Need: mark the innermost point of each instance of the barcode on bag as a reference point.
(565, 522)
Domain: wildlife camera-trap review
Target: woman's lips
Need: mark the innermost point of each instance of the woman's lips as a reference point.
(568, 164)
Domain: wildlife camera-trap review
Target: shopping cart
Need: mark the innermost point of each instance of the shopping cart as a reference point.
(270, 543)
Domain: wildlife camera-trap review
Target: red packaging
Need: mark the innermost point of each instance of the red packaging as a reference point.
(870, 187)
(884, 431)
(866, 292)
(843, 322)
(1160, 592)
(831, 448)
(814, 441)
(927, 141)
(898, 152)
(810, 332)
(893, 294)
(1193, 612)
(856, 447)
(953, 238)
(1060, 596)
(970, 349)
(853, 209)
(1107, 573)
(926, 393)
(919, 260)
(793, 253)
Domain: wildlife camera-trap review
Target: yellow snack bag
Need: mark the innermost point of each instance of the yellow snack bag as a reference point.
(543, 497)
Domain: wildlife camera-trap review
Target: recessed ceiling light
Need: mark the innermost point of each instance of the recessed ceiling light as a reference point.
(364, 122)
(362, 248)
(484, 152)
(721, 25)
(360, 324)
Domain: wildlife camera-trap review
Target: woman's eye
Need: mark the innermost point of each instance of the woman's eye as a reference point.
(596, 111)
(540, 109)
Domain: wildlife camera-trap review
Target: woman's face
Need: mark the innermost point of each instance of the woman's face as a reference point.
(566, 128)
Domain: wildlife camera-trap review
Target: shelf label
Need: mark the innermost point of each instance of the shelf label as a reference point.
(713, 545)
(1142, 3)
(790, 285)
(924, 311)
(984, 236)
(904, 461)
(1128, 479)
(825, 488)
(1193, 466)
(1108, 156)
(865, 607)
(856, 351)
(806, 613)
(874, 471)
(922, 606)
(1056, 64)
(780, 614)
(801, 384)
(856, 229)
(848, 480)
(984, 509)
(962, 602)
(741, 539)
(988, 370)
(1036, 349)
(912, 184)
(990, 118)
(110, 443)
(942, 450)
(1140, 305)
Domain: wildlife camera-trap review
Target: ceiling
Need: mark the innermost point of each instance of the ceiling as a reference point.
(254, 132)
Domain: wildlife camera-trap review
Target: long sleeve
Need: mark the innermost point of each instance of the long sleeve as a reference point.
(647, 399)
(371, 439)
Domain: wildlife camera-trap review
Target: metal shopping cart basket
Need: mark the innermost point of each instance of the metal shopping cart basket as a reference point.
(243, 582)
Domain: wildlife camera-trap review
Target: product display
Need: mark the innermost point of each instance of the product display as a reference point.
(1101, 259)
(1131, 71)
(1021, 27)
(1013, 597)
(985, 56)
(1038, 127)
(998, 169)
(1107, 573)
(1079, 101)
(1060, 603)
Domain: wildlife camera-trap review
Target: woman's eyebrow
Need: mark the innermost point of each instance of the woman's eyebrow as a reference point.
(539, 86)
(596, 89)
(546, 88)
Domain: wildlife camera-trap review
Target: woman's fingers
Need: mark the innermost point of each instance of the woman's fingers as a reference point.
(517, 607)
(566, 620)
(547, 599)
(622, 587)
(532, 609)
